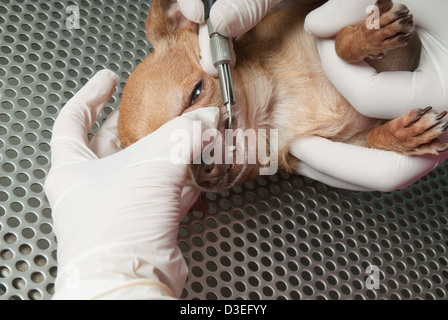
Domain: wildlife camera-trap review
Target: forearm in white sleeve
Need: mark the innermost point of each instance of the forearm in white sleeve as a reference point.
(308, 171)
(361, 168)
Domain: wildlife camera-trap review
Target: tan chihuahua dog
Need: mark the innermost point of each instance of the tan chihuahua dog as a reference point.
(279, 84)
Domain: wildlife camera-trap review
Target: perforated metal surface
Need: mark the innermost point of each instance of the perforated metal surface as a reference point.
(281, 237)
(286, 237)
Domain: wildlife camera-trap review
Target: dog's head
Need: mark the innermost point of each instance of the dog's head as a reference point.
(170, 82)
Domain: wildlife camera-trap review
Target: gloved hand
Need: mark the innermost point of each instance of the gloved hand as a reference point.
(231, 18)
(116, 218)
(361, 169)
(387, 95)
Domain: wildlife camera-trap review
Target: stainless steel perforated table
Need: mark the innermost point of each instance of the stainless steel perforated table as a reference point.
(280, 237)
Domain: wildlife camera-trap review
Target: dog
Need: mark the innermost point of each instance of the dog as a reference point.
(279, 85)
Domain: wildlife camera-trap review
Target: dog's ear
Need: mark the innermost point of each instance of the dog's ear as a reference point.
(165, 18)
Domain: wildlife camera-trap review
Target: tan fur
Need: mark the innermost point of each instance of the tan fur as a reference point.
(278, 79)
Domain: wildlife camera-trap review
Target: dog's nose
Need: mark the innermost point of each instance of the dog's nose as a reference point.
(207, 175)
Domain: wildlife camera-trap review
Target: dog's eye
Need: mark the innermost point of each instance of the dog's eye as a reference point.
(196, 93)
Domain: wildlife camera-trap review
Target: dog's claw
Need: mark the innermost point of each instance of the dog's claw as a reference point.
(441, 115)
(407, 19)
(400, 14)
(377, 56)
(406, 37)
(443, 148)
(422, 112)
(445, 127)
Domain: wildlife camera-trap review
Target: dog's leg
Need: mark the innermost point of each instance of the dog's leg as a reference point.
(393, 37)
(394, 29)
(415, 133)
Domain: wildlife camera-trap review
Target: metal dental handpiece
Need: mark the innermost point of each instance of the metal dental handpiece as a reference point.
(222, 58)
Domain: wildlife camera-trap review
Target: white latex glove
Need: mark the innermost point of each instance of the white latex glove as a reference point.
(231, 18)
(387, 95)
(116, 218)
(356, 168)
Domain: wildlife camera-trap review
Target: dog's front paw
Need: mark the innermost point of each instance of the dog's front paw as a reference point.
(416, 133)
(388, 27)
(392, 29)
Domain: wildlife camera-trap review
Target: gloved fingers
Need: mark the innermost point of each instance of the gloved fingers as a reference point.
(208, 119)
(206, 52)
(106, 141)
(177, 141)
(193, 10)
(71, 128)
(368, 168)
(330, 18)
(400, 92)
(306, 170)
(190, 195)
(233, 18)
